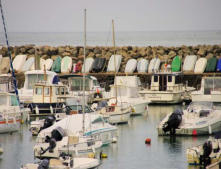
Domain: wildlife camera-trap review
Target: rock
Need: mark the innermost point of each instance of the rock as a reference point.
(201, 51)
(172, 54)
(209, 55)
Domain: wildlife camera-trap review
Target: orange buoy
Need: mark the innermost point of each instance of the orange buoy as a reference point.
(194, 132)
(147, 141)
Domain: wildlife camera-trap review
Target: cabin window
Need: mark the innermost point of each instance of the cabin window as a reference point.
(34, 78)
(3, 100)
(62, 91)
(46, 91)
(177, 79)
(57, 91)
(155, 79)
(77, 84)
(169, 78)
(38, 91)
(95, 82)
(14, 101)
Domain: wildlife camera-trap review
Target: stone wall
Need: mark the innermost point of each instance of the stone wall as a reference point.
(165, 54)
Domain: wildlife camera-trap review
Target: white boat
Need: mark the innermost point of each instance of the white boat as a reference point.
(6, 83)
(42, 64)
(64, 163)
(114, 63)
(66, 64)
(128, 91)
(10, 113)
(75, 84)
(154, 65)
(189, 63)
(95, 126)
(200, 118)
(142, 65)
(200, 65)
(48, 64)
(29, 63)
(166, 87)
(210, 90)
(131, 66)
(32, 77)
(18, 62)
(88, 65)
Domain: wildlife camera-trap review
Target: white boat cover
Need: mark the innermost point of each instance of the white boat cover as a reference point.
(189, 63)
(18, 62)
(111, 64)
(66, 64)
(28, 64)
(142, 66)
(200, 65)
(42, 63)
(48, 64)
(131, 66)
(89, 63)
(4, 65)
(157, 65)
(154, 65)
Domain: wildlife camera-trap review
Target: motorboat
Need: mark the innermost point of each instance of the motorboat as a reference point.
(64, 162)
(210, 90)
(11, 115)
(166, 87)
(75, 84)
(200, 118)
(32, 77)
(94, 126)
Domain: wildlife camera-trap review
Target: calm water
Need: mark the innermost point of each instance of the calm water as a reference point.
(129, 153)
(152, 38)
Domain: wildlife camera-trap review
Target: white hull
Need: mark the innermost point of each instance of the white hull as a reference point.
(120, 117)
(207, 98)
(139, 108)
(12, 127)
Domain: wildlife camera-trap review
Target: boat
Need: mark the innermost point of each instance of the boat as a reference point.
(131, 66)
(88, 65)
(64, 162)
(166, 87)
(29, 63)
(218, 66)
(142, 65)
(95, 126)
(4, 66)
(6, 83)
(42, 64)
(48, 64)
(200, 118)
(154, 65)
(128, 92)
(189, 63)
(200, 65)
(211, 64)
(18, 62)
(114, 63)
(176, 64)
(66, 64)
(75, 85)
(210, 90)
(32, 77)
(98, 65)
(56, 66)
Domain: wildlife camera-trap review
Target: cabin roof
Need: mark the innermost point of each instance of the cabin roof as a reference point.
(39, 72)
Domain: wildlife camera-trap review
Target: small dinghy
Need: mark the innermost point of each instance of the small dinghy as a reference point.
(154, 65)
(200, 118)
(66, 64)
(56, 66)
(42, 64)
(28, 64)
(142, 66)
(200, 65)
(4, 65)
(88, 65)
(98, 65)
(18, 62)
(218, 67)
(176, 64)
(211, 65)
(189, 63)
(131, 66)
(48, 64)
(115, 59)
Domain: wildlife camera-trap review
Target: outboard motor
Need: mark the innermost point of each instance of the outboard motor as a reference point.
(49, 121)
(44, 164)
(207, 149)
(173, 122)
(58, 133)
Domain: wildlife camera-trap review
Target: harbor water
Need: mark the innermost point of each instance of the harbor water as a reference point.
(130, 152)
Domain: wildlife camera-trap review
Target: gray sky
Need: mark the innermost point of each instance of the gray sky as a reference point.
(129, 15)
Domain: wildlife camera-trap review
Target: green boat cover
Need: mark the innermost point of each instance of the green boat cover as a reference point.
(56, 67)
(211, 65)
(176, 63)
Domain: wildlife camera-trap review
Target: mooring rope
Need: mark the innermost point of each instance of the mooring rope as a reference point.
(9, 53)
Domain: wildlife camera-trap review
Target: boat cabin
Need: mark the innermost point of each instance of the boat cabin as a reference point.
(6, 83)
(8, 99)
(211, 85)
(49, 93)
(168, 81)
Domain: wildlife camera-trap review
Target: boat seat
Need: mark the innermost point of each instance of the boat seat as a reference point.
(31, 166)
(55, 162)
(204, 113)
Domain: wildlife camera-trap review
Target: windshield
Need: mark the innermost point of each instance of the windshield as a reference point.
(3, 100)
(214, 84)
(77, 84)
(34, 78)
(14, 101)
(95, 82)
(200, 105)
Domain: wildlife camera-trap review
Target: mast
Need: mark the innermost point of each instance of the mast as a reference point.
(9, 53)
(85, 12)
(115, 69)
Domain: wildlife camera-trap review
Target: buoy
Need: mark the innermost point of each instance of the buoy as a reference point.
(194, 133)
(147, 141)
(91, 155)
(103, 155)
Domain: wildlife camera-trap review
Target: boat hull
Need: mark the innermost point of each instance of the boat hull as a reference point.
(10, 126)
(208, 98)
(139, 109)
(121, 117)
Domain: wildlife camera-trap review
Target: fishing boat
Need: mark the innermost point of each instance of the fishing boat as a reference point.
(64, 162)
(210, 90)
(200, 118)
(166, 87)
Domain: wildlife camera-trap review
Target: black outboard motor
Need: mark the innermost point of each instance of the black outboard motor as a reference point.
(44, 164)
(207, 149)
(173, 122)
(49, 121)
(58, 133)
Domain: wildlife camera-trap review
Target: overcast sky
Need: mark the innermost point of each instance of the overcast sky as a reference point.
(129, 15)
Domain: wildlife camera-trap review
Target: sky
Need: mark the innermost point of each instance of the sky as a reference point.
(128, 15)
